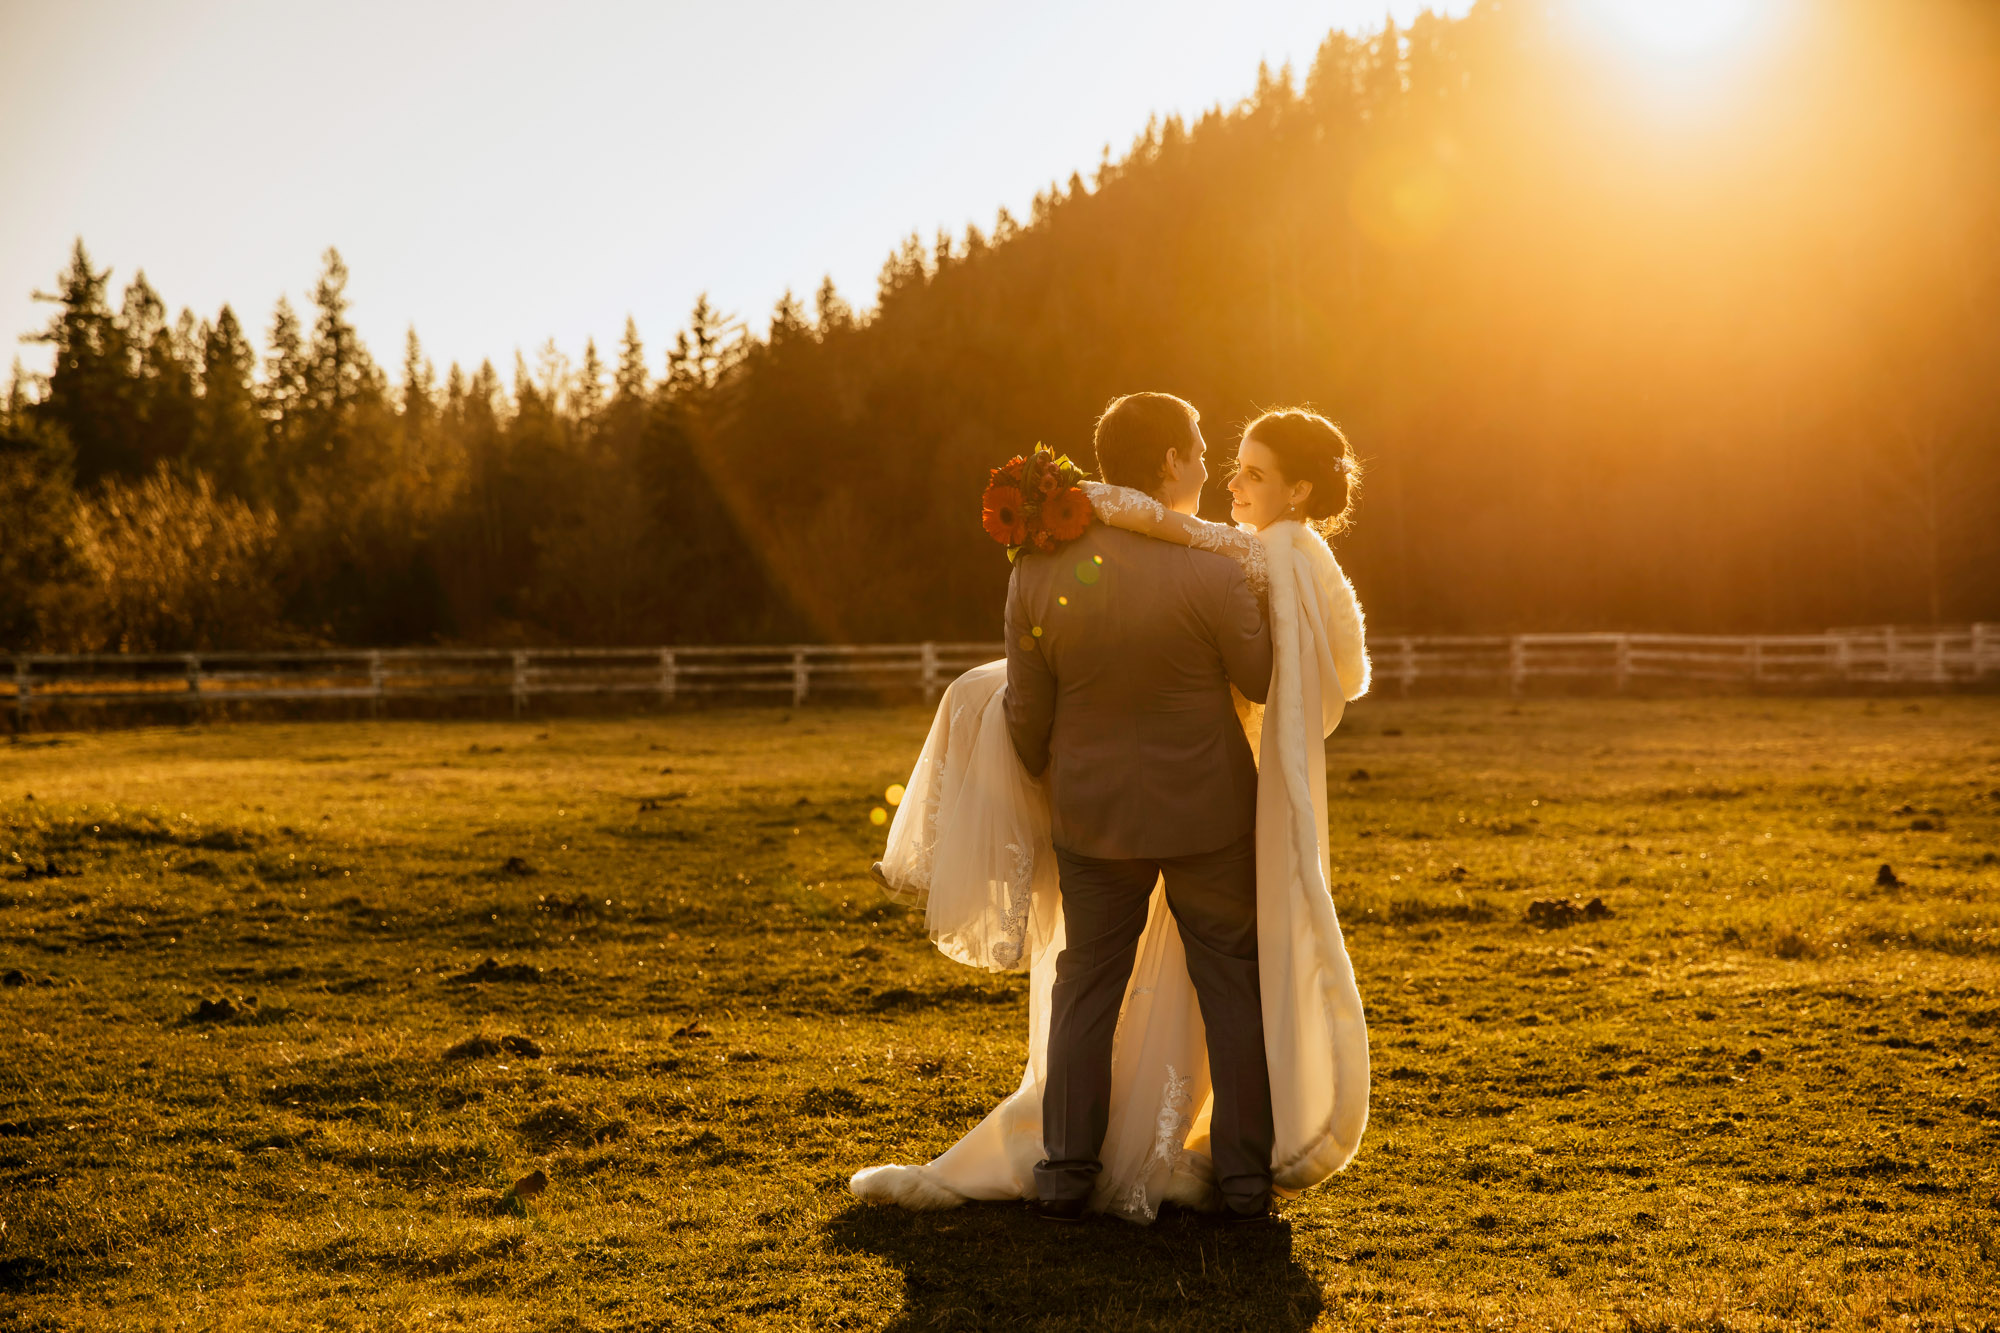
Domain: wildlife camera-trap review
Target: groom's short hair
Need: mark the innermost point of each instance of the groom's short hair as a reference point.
(1134, 434)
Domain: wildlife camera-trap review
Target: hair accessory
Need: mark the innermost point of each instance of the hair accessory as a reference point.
(1342, 467)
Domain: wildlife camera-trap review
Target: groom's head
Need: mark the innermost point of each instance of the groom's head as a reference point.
(1152, 443)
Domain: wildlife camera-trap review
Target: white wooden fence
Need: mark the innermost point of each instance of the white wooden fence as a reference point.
(381, 675)
(1877, 655)
(1882, 655)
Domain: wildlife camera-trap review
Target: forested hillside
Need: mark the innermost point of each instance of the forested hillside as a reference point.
(1723, 360)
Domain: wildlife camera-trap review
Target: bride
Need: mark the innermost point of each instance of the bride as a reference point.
(971, 844)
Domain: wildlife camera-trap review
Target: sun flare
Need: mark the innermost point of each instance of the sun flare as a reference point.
(1679, 30)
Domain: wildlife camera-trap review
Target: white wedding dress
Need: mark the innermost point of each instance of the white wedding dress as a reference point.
(971, 844)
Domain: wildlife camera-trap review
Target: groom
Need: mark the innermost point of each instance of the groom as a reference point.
(1120, 653)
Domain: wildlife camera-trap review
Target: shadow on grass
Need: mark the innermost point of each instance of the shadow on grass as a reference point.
(997, 1264)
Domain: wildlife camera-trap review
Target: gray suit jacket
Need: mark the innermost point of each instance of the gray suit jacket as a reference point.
(1120, 653)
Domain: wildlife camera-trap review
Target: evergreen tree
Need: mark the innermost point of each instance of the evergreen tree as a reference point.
(707, 573)
(485, 568)
(163, 375)
(831, 314)
(417, 406)
(906, 270)
(586, 389)
(38, 502)
(630, 383)
(710, 579)
(788, 322)
(702, 351)
(18, 390)
(339, 376)
(624, 423)
(283, 400)
(1382, 81)
(91, 392)
(418, 402)
(142, 316)
(161, 385)
(228, 442)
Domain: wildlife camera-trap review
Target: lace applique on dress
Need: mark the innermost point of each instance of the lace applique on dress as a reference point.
(1169, 1142)
(1240, 546)
(1136, 511)
(1013, 938)
(1123, 507)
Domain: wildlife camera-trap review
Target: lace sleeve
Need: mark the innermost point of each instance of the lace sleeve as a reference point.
(1135, 511)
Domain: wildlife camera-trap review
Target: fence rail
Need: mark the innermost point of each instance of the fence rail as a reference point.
(1884, 655)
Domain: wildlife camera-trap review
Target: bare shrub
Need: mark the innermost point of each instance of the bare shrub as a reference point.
(168, 565)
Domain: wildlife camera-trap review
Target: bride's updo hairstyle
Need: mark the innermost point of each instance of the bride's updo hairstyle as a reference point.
(1308, 447)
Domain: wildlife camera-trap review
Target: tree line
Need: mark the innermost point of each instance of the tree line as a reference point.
(1612, 362)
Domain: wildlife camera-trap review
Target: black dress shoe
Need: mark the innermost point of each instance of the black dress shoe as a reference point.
(1260, 1217)
(1060, 1210)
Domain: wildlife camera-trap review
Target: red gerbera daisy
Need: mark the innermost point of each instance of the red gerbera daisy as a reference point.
(1066, 514)
(1003, 517)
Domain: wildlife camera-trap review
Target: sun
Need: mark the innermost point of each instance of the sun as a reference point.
(1678, 31)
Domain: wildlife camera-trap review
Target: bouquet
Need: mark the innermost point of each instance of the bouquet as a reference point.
(1035, 502)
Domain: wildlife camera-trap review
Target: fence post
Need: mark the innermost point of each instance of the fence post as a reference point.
(799, 675)
(23, 691)
(194, 685)
(670, 676)
(1406, 663)
(1891, 671)
(1756, 658)
(1624, 661)
(520, 681)
(1979, 628)
(1517, 663)
(1939, 674)
(375, 683)
(930, 671)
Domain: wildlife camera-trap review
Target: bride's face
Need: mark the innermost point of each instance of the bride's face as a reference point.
(1259, 490)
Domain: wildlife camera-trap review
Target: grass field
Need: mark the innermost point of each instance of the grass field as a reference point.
(242, 1081)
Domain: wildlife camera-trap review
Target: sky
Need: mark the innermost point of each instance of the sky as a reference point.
(500, 173)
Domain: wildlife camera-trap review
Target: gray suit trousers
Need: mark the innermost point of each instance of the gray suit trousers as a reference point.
(1213, 896)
